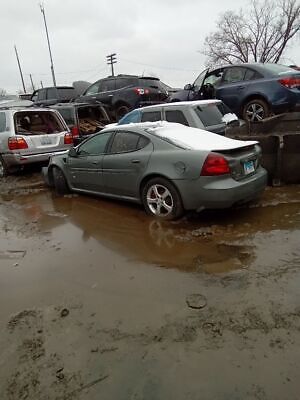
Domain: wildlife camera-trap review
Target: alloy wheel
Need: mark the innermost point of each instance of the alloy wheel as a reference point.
(255, 112)
(160, 200)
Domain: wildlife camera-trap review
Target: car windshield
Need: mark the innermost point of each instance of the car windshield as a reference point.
(131, 118)
(212, 113)
(199, 81)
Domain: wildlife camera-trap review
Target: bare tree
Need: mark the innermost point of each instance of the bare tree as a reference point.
(2, 92)
(259, 34)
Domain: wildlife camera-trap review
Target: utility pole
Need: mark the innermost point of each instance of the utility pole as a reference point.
(33, 88)
(111, 60)
(49, 47)
(21, 73)
(42, 84)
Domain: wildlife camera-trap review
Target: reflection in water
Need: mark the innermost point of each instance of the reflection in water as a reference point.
(212, 242)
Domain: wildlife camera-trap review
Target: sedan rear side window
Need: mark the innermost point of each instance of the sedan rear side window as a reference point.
(251, 74)
(142, 142)
(176, 116)
(124, 142)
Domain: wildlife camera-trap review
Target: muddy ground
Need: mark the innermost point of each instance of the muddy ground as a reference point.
(99, 301)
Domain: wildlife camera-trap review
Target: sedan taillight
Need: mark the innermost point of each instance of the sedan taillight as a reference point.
(290, 82)
(68, 139)
(17, 143)
(215, 165)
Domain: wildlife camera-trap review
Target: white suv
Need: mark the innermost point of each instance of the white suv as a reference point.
(30, 135)
(210, 115)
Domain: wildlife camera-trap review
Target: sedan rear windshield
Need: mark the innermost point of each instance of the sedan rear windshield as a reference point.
(37, 123)
(278, 69)
(212, 114)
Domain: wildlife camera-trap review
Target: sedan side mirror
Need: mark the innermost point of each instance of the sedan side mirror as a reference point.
(188, 87)
(72, 152)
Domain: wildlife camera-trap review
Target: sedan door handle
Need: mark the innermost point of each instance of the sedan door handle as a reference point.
(135, 161)
(95, 162)
(241, 87)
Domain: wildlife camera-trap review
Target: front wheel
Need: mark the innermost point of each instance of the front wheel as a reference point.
(161, 199)
(256, 110)
(60, 182)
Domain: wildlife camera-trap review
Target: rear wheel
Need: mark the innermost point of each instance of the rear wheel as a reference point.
(161, 199)
(121, 111)
(60, 182)
(3, 168)
(256, 110)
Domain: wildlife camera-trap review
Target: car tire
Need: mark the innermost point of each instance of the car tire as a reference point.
(161, 199)
(3, 168)
(121, 111)
(256, 110)
(60, 182)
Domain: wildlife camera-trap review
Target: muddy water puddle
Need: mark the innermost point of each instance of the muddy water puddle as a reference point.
(210, 242)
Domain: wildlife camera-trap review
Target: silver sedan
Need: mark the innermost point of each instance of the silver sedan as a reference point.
(169, 168)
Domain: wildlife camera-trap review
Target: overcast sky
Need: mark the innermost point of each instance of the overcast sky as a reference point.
(158, 37)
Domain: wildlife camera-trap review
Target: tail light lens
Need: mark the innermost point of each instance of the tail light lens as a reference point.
(141, 91)
(75, 131)
(68, 139)
(215, 165)
(290, 82)
(17, 143)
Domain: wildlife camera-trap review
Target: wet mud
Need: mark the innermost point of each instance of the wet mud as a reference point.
(99, 300)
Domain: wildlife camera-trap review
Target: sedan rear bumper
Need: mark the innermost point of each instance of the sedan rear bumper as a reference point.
(221, 192)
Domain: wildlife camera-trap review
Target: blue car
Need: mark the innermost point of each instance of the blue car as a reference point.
(252, 91)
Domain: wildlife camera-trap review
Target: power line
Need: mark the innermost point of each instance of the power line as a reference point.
(68, 72)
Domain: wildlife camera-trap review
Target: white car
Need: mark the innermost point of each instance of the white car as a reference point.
(30, 135)
(211, 115)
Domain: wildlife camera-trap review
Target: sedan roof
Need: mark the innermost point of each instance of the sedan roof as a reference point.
(185, 136)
